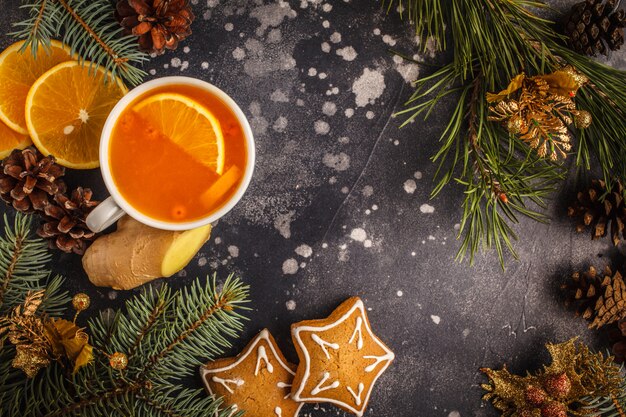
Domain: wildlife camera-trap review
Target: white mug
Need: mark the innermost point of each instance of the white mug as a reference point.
(115, 206)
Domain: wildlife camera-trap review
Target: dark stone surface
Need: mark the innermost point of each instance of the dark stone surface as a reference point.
(443, 319)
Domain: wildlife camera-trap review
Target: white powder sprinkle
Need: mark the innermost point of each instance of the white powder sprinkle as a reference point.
(279, 96)
(324, 245)
(326, 24)
(399, 293)
(368, 87)
(312, 72)
(202, 261)
(335, 37)
(280, 125)
(321, 127)
(377, 32)
(229, 27)
(368, 191)
(435, 319)
(348, 53)
(304, 250)
(327, 7)
(339, 162)
(322, 75)
(233, 251)
(466, 332)
(282, 223)
(358, 234)
(186, 49)
(417, 175)
(454, 413)
(427, 209)
(389, 40)
(290, 266)
(344, 140)
(239, 54)
(176, 62)
(152, 72)
(204, 65)
(349, 113)
(291, 305)
(367, 243)
(410, 186)
(329, 108)
(325, 47)
(370, 115)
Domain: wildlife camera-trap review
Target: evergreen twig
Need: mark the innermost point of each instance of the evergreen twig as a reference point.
(492, 41)
(89, 28)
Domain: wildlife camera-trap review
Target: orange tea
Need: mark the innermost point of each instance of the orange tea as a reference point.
(177, 153)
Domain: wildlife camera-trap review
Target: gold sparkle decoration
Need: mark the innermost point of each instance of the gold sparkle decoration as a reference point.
(539, 109)
(81, 302)
(557, 389)
(118, 361)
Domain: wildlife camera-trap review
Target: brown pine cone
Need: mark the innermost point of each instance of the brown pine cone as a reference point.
(64, 222)
(28, 180)
(583, 290)
(600, 209)
(595, 26)
(159, 24)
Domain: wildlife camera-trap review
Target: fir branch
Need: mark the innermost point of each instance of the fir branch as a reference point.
(89, 28)
(169, 335)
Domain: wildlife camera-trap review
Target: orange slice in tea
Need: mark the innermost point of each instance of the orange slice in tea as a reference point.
(18, 72)
(10, 139)
(66, 109)
(188, 124)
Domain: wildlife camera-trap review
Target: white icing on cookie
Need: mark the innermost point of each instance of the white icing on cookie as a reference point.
(262, 356)
(357, 395)
(227, 382)
(324, 344)
(297, 392)
(319, 388)
(357, 329)
(278, 411)
(285, 385)
(377, 360)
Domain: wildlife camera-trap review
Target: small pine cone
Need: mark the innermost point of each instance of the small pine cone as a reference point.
(601, 210)
(595, 27)
(611, 305)
(159, 24)
(583, 290)
(64, 222)
(28, 179)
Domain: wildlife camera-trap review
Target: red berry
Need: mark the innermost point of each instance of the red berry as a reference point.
(558, 386)
(554, 409)
(535, 396)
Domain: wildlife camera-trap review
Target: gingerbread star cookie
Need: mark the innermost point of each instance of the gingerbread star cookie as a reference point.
(257, 381)
(340, 358)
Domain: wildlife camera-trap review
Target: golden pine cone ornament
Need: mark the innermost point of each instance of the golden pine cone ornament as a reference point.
(64, 222)
(159, 24)
(29, 180)
(595, 27)
(601, 209)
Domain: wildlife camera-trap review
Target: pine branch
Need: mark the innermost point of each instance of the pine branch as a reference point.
(89, 28)
(166, 335)
(611, 406)
(494, 40)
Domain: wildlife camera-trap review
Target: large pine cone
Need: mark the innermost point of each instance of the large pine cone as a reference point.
(159, 24)
(28, 179)
(601, 213)
(64, 221)
(595, 26)
(599, 298)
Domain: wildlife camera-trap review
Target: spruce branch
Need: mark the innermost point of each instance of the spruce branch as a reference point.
(89, 28)
(492, 42)
(166, 335)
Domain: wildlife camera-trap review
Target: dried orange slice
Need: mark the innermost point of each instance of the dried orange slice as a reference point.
(66, 109)
(18, 72)
(10, 139)
(188, 124)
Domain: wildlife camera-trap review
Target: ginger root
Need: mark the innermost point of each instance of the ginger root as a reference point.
(136, 254)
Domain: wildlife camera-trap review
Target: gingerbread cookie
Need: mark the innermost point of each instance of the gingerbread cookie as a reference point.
(257, 381)
(340, 358)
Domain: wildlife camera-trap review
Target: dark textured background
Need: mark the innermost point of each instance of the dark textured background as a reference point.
(316, 183)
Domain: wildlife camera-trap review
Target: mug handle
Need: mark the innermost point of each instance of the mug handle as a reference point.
(104, 215)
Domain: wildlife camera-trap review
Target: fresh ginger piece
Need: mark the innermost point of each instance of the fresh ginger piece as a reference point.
(136, 254)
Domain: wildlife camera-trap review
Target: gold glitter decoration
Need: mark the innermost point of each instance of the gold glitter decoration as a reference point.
(118, 361)
(30, 359)
(81, 302)
(582, 119)
(579, 78)
(555, 390)
(539, 109)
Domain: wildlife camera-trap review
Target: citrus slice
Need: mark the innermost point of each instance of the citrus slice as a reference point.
(188, 124)
(10, 139)
(18, 72)
(66, 109)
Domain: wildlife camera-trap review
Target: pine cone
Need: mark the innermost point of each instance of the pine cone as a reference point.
(583, 291)
(598, 212)
(64, 222)
(159, 24)
(595, 25)
(28, 179)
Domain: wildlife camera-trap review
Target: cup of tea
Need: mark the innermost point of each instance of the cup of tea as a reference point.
(176, 153)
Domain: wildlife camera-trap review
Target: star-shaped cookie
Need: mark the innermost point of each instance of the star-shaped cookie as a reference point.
(340, 358)
(257, 381)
